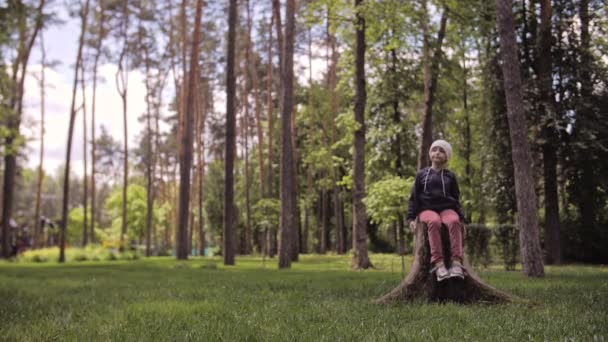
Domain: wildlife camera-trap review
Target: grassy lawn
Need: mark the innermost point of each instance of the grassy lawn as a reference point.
(319, 299)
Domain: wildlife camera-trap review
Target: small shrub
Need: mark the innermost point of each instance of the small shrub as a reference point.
(81, 257)
(130, 255)
(42, 254)
(39, 258)
(112, 256)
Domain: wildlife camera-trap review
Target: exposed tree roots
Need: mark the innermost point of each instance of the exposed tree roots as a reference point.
(421, 284)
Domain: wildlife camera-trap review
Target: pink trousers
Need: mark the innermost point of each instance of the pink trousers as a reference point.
(452, 221)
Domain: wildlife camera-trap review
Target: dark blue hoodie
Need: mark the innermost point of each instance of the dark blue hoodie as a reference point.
(434, 190)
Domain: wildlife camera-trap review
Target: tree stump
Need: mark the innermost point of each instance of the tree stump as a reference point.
(420, 284)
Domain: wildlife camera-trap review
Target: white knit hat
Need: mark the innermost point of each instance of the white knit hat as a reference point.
(444, 145)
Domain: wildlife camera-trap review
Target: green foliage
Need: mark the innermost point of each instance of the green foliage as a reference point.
(136, 211)
(92, 252)
(75, 225)
(387, 200)
(214, 199)
(266, 213)
(162, 299)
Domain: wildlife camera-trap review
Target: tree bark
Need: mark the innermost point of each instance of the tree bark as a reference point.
(229, 207)
(431, 71)
(270, 105)
(288, 183)
(545, 79)
(360, 255)
(245, 131)
(324, 222)
(98, 43)
(85, 230)
(587, 205)
(201, 115)
(333, 82)
(14, 121)
(304, 246)
(38, 233)
(248, 76)
(122, 85)
(522, 159)
(253, 73)
(186, 141)
(468, 169)
(66, 177)
(150, 158)
(397, 149)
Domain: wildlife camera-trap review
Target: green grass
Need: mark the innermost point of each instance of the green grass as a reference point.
(319, 299)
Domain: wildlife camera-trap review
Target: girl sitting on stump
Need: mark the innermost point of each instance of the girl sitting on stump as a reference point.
(435, 201)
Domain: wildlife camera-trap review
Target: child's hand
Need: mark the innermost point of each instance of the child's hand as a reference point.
(413, 226)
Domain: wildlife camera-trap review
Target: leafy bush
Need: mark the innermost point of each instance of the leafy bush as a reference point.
(91, 252)
(477, 244)
(387, 200)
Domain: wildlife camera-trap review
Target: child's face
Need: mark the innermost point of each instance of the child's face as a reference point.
(438, 155)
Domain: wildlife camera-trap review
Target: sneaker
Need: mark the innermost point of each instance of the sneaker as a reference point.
(456, 270)
(441, 272)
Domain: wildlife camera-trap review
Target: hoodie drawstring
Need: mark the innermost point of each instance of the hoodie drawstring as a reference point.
(442, 181)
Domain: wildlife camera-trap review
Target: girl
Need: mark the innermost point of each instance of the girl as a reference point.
(435, 201)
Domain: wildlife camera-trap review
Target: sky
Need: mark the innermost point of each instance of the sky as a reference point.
(61, 46)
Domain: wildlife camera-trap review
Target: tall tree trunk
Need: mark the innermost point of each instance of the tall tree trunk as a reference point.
(288, 183)
(270, 105)
(258, 106)
(360, 256)
(229, 207)
(245, 132)
(276, 15)
(191, 217)
(545, 79)
(201, 114)
(186, 141)
(468, 170)
(150, 159)
(522, 159)
(169, 188)
(14, 121)
(304, 246)
(282, 41)
(276, 12)
(587, 206)
(333, 82)
(397, 149)
(66, 176)
(85, 230)
(297, 229)
(431, 71)
(295, 246)
(122, 85)
(38, 233)
(248, 75)
(98, 43)
(324, 222)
